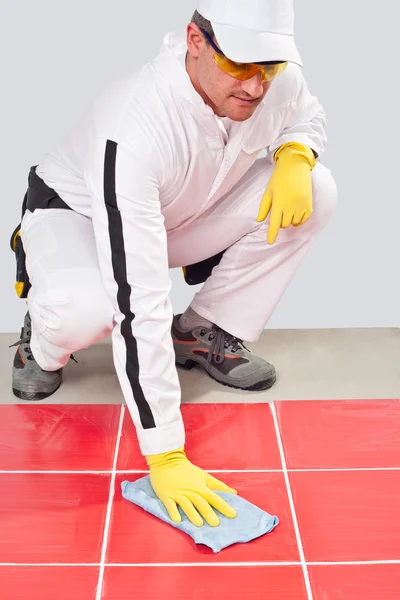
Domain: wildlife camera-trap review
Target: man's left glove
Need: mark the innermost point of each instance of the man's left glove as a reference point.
(289, 192)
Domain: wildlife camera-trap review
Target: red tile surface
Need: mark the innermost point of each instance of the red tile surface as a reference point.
(341, 434)
(48, 583)
(137, 537)
(342, 515)
(348, 515)
(218, 436)
(355, 582)
(58, 437)
(52, 518)
(198, 583)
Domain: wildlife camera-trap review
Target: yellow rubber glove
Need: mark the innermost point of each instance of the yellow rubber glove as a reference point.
(176, 481)
(289, 192)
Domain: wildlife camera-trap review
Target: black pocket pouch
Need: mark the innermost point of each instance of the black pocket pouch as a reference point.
(199, 272)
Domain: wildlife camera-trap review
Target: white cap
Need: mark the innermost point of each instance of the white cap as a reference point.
(253, 30)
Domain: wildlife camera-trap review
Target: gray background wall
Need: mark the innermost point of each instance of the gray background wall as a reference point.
(55, 56)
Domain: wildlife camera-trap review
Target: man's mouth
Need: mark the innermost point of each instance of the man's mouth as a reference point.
(246, 101)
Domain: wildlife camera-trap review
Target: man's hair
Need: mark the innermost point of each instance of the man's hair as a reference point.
(202, 23)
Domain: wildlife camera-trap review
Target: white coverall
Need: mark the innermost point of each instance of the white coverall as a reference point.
(156, 181)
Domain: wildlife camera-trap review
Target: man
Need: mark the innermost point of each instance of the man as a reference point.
(160, 173)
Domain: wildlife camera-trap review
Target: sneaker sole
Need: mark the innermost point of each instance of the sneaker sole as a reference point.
(256, 387)
(34, 396)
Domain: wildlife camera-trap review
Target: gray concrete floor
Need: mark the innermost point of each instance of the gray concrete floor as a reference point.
(318, 364)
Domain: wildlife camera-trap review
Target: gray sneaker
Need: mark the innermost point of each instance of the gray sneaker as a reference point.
(29, 381)
(223, 356)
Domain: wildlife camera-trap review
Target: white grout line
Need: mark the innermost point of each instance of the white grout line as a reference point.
(291, 502)
(109, 507)
(343, 469)
(49, 565)
(221, 564)
(354, 562)
(257, 564)
(55, 472)
(133, 471)
(210, 564)
(138, 471)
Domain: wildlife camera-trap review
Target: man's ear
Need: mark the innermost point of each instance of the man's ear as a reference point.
(195, 40)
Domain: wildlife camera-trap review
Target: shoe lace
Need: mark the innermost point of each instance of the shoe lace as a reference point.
(25, 339)
(222, 341)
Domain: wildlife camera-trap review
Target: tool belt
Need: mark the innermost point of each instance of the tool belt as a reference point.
(38, 195)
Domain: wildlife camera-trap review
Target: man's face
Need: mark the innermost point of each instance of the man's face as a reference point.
(227, 96)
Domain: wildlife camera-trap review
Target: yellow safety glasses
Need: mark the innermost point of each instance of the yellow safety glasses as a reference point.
(243, 71)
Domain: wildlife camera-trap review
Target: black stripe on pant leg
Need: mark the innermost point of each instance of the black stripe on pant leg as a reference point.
(118, 258)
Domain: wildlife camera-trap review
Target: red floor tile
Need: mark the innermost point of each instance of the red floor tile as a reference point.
(340, 434)
(224, 583)
(218, 436)
(52, 518)
(348, 515)
(137, 537)
(48, 583)
(58, 437)
(355, 582)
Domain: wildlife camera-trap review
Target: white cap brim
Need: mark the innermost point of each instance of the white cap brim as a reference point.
(245, 45)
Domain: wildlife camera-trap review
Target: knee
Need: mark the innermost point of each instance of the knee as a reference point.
(324, 196)
(71, 321)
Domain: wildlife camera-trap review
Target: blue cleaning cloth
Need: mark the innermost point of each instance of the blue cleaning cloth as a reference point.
(251, 522)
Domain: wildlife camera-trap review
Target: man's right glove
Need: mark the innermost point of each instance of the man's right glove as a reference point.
(176, 481)
(288, 197)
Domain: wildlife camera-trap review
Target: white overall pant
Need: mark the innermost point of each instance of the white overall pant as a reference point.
(68, 304)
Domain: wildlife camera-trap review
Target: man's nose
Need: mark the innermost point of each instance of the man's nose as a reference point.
(254, 86)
